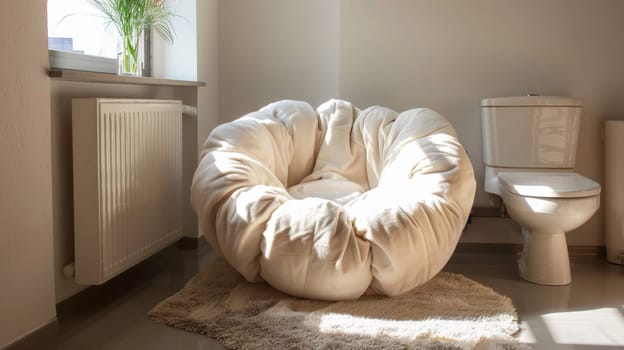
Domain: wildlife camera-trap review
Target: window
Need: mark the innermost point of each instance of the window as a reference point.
(75, 26)
(80, 38)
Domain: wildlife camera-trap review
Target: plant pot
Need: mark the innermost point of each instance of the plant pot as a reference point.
(130, 56)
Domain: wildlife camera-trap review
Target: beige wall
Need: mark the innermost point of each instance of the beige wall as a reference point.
(448, 55)
(27, 287)
(36, 206)
(61, 93)
(207, 71)
(442, 54)
(207, 68)
(194, 129)
(192, 56)
(276, 49)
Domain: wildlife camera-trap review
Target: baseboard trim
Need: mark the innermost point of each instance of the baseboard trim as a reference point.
(587, 250)
(574, 251)
(486, 212)
(488, 248)
(44, 337)
(189, 243)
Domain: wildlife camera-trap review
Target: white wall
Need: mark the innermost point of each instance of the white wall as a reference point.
(177, 60)
(27, 287)
(443, 54)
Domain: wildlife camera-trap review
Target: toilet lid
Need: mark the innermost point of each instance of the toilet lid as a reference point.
(550, 185)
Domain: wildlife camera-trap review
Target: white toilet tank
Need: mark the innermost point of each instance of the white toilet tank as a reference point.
(530, 131)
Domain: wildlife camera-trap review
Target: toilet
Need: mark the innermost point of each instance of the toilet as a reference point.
(529, 151)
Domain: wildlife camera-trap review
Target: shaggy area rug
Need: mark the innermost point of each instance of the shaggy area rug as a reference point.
(449, 312)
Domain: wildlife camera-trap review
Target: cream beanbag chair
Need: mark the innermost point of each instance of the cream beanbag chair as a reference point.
(328, 204)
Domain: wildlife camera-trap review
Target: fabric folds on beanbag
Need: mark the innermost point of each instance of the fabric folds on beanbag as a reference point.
(328, 204)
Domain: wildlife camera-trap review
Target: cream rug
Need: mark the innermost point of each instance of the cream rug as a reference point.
(449, 312)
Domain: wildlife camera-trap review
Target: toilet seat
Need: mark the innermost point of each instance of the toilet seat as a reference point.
(548, 184)
(547, 205)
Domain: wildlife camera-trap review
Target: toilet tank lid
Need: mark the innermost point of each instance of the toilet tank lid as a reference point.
(532, 101)
(549, 185)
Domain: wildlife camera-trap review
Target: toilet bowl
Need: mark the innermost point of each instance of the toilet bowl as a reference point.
(529, 151)
(546, 206)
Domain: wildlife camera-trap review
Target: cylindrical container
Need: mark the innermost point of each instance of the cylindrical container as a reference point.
(614, 190)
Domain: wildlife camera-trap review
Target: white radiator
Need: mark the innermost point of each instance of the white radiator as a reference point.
(127, 183)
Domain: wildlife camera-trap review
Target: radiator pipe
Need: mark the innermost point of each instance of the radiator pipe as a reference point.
(190, 111)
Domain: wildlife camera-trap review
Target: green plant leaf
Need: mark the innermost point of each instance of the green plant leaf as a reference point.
(133, 17)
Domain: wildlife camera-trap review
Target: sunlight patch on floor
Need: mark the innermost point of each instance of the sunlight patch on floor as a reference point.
(604, 326)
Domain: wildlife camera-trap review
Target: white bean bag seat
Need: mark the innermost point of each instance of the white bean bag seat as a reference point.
(332, 203)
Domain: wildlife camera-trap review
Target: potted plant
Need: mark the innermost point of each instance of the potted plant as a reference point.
(131, 18)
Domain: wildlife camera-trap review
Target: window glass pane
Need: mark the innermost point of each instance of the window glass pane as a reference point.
(76, 26)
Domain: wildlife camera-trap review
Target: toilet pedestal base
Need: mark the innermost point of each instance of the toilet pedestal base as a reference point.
(545, 258)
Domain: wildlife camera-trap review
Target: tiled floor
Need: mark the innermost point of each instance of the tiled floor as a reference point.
(588, 314)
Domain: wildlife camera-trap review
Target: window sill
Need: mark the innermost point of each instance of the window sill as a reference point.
(93, 77)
